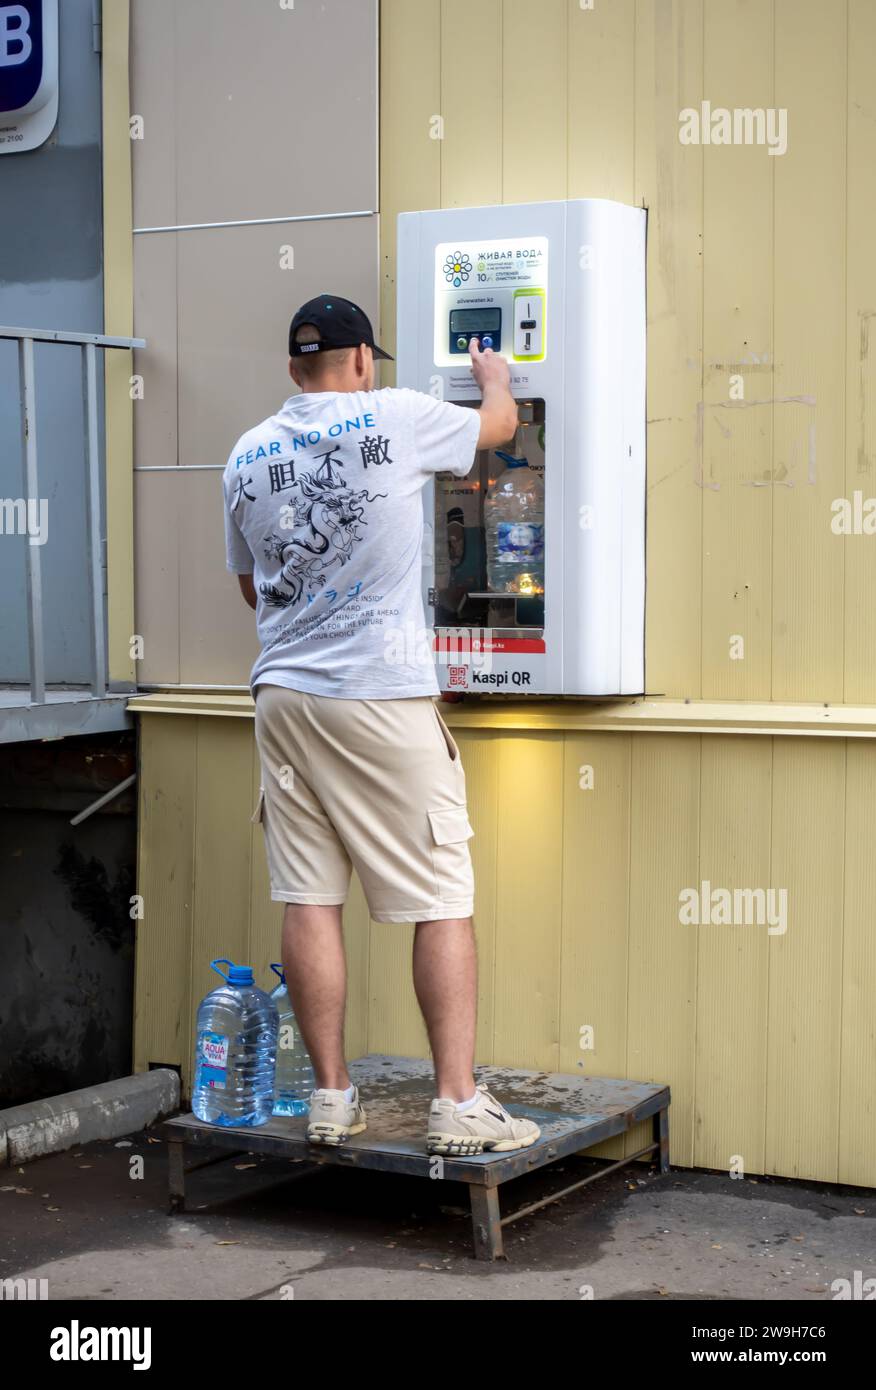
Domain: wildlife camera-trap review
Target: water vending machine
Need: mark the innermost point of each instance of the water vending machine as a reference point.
(534, 564)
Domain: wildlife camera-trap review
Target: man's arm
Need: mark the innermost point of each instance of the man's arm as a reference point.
(247, 588)
(498, 409)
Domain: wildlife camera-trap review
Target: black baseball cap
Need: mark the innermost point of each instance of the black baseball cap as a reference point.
(340, 324)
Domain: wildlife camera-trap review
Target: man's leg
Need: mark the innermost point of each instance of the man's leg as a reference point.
(445, 980)
(316, 978)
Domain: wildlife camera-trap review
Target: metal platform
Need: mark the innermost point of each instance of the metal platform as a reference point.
(573, 1112)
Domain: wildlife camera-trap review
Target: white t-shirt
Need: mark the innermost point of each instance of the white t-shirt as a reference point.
(323, 508)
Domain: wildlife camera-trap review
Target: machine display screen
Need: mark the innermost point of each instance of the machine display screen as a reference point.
(475, 320)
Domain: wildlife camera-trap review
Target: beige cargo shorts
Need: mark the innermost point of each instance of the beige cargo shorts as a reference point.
(375, 785)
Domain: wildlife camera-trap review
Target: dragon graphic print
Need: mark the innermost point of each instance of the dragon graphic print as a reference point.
(319, 530)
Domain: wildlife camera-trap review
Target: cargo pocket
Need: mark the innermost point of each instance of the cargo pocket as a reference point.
(451, 859)
(450, 826)
(258, 815)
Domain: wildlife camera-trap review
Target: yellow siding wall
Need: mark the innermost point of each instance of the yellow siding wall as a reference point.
(757, 265)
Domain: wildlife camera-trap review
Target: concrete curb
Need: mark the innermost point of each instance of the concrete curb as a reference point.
(107, 1111)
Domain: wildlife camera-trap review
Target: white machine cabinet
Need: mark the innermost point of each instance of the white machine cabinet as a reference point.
(559, 290)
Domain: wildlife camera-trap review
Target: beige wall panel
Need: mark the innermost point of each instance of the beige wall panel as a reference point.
(254, 110)
(230, 348)
(165, 881)
(156, 70)
(410, 158)
(664, 859)
(535, 43)
(806, 963)
(471, 165)
(602, 100)
(669, 182)
(810, 345)
(733, 960)
(857, 1118)
(595, 921)
(156, 513)
(218, 638)
(738, 354)
(235, 304)
(529, 867)
(155, 319)
(157, 574)
(277, 108)
(859, 552)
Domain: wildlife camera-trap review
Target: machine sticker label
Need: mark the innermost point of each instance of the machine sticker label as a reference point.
(214, 1060)
(511, 261)
(466, 383)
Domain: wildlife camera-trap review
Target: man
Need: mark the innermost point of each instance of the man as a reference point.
(324, 526)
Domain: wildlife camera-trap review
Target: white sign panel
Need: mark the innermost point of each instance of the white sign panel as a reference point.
(28, 74)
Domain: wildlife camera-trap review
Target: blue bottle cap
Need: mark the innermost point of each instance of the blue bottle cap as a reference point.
(241, 975)
(237, 974)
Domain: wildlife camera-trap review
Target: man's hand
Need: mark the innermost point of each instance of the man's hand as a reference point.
(498, 411)
(488, 366)
(247, 588)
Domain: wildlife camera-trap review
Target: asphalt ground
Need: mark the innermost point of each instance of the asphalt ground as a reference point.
(94, 1223)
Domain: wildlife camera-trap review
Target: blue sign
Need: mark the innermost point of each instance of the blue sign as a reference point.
(21, 53)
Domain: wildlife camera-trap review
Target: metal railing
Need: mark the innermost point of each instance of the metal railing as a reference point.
(88, 345)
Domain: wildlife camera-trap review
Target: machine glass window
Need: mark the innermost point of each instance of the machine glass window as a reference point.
(490, 536)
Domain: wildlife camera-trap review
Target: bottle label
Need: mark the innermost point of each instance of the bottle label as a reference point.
(519, 543)
(214, 1060)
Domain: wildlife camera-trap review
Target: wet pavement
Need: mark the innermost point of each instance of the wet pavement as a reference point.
(94, 1223)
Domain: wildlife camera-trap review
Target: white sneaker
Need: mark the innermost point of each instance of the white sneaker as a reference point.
(487, 1125)
(332, 1119)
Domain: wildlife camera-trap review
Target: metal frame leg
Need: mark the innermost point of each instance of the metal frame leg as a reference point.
(661, 1137)
(486, 1222)
(176, 1175)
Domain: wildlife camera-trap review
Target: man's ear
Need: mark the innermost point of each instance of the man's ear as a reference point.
(293, 371)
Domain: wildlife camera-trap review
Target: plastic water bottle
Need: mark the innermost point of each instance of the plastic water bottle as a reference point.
(514, 524)
(235, 1051)
(293, 1079)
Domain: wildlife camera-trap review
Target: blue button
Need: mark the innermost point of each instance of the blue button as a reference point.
(487, 341)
